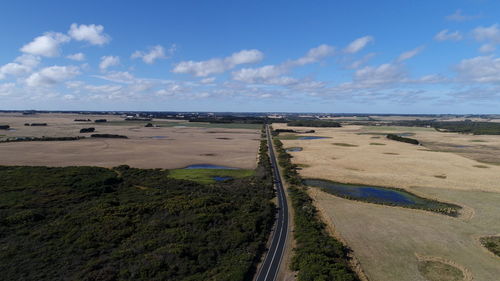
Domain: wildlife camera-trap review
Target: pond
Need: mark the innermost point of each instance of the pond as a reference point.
(220, 178)
(383, 195)
(293, 149)
(159, 137)
(311, 138)
(210, 166)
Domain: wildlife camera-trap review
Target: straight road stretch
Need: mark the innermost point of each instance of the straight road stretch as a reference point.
(271, 264)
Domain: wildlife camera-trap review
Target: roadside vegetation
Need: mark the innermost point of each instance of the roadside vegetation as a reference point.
(317, 256)
(90, 223)
(108, 136)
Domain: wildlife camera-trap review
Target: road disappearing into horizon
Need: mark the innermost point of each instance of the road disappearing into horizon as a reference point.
(273, 259)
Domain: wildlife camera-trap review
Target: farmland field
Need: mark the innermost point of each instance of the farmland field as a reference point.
(404, 244)
(170, 144)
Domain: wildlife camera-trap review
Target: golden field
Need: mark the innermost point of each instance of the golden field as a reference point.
(391, 243)
(172, 145)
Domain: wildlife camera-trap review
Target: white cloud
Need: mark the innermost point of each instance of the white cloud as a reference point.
(77, 57)
(22, 65)
(487, 48)
(382, 74)
(7, 89)
(252, 75)
(52, 75)
(410, 54)
(445, 35)
(315, 54)
(94, 34)
(108, 61)
(207, 80)
(218, 65)
(154, 53)
(458, 15)
(489, 34)
(268, 74)
(118, 76)
(482, 69)
(358, 44)
(46, 45)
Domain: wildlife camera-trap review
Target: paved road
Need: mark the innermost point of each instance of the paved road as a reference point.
(270, 267)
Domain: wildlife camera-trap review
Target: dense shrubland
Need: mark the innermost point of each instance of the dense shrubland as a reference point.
(89, 223)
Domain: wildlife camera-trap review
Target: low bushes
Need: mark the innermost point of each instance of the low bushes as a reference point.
(87, 130)
(109, 136)
(20, 139)
(402, 139)
(4, 127)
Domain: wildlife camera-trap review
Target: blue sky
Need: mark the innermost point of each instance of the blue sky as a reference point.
(388, 56)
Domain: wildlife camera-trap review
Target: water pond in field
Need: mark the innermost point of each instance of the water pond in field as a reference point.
(210, 166)
(383, 195)
(293, 149)
(219, 178)
(159, 137)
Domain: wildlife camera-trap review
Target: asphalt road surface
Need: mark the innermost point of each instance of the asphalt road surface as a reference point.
(270, 267)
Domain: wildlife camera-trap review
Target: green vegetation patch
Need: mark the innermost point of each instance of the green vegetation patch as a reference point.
(344, 144)
(478, 141)
(403, 139)
(90, 223)
(206, 176)
(492, 243)
(481, 166)
(439, 271)
(377, 143)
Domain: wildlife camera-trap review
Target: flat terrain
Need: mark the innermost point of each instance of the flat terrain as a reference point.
(363, 155)
(394, 243)
(172, 144)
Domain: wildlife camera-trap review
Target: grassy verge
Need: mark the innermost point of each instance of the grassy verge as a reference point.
(317, 255)
(206, 176)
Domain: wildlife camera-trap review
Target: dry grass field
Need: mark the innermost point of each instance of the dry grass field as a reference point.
(393, 243)
(350, 156)
(172, 146)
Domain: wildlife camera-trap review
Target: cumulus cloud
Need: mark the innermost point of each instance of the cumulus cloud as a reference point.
(46, 45)
(459, 16)
(315, 55)
(445, 35)
(7, 89)
(52, 75)
(482, 69)
(269, 73)
(118, 76)
(358, 44)
(218, 65)
(108, 61)
(489, 33)
(22, 65)
(410, 54)
(487, 48)
(154, 53)
(77, 57)
(379, 75)
(94, 34)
